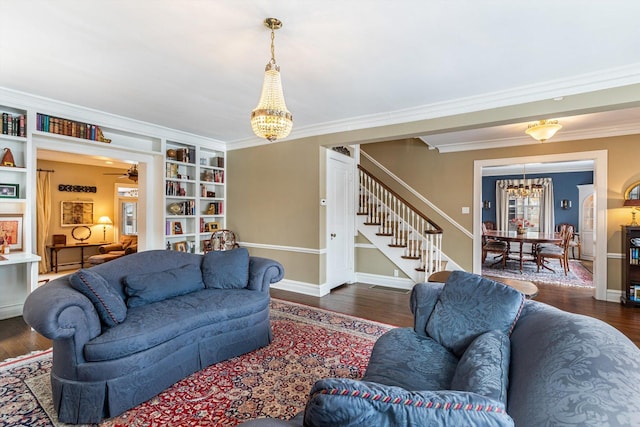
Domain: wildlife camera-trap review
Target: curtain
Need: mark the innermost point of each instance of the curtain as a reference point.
(43, 218)
(547, 213)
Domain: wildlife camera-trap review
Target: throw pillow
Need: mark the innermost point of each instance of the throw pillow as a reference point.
(226, 269)
(484, 367)
(143, 289)
(107, 302)
(470, 305)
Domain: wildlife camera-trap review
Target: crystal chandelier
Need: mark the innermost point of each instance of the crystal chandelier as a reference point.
(525, 188)
(271, 119)
(543, 129)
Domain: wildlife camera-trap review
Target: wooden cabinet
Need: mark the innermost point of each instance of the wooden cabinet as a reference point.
(631, 267)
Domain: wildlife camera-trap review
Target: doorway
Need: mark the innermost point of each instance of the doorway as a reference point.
(599, 220)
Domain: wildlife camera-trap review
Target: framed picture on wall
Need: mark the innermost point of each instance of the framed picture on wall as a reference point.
(76, 212)
(11, 231)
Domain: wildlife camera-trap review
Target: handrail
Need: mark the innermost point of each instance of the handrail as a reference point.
(414, 233)
(437, 228)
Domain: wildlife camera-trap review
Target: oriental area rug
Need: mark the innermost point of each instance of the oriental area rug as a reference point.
(577, 276)
(308, 344)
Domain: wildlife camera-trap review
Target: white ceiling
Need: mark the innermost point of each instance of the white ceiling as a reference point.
(196, 65)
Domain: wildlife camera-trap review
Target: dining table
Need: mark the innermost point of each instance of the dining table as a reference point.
(533, 237)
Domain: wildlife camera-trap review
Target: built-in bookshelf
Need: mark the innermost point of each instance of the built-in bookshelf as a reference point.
(631, 267)
(194, 195)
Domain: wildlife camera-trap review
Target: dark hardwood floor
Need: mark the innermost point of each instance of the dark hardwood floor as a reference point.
(378, 304)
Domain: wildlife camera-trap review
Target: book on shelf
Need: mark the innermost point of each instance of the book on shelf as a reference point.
(13, 125)
(634, 256)
(72, 128)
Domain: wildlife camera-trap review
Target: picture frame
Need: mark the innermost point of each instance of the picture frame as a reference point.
(180, 246)
(75, 213)
(211, 226)
(11, 230)
(9, 191)
(177, 227)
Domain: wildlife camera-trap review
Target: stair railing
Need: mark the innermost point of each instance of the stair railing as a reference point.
(407, 227)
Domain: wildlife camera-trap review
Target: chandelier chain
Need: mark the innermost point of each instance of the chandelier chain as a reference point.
(273, 49)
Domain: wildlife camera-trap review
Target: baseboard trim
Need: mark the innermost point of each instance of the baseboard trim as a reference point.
(388, 281)
(613, 296)
(302, 288)
(9, 311)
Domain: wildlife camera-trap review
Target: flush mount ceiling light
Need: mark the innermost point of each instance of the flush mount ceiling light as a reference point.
(543, 129)
(271, 119)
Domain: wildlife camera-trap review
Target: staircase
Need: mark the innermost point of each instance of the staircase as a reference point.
(404, 235)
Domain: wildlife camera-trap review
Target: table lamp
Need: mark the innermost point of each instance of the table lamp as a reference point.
(104, 220)
(634, 204)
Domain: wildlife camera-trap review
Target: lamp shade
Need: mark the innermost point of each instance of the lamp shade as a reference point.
(543, 130)
(104, 220)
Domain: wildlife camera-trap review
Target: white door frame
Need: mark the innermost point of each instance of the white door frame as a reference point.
(600, 185)
(150, 223)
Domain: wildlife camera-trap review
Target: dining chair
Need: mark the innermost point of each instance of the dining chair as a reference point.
(494, 246)
(561, 253)
(575, 241)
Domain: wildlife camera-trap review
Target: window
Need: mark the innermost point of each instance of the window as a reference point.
(524, 208)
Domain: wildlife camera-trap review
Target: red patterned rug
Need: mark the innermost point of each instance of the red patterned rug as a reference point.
(577, 276)
(274, 381)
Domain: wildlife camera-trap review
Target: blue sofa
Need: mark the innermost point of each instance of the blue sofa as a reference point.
(454, 368)
(125, 330)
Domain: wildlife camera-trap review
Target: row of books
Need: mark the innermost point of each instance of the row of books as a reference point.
(634, 293)
(215, 208)
(188, 207)
(634, 256)
(213, 176)
(60, 126)
(14, 125)
(174, 189)
(172, 170)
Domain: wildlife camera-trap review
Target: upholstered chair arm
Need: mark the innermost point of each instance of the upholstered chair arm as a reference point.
(67, 317)
(57, 311)
(131, 249)
(346, 402)
(263, 272)
(423, 299)
(112, 247)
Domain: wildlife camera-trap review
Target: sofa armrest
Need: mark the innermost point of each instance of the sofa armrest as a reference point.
(263, 272)
(346, 402)
(111, 247)
(58, 311)
(131, 249)
(423, 300)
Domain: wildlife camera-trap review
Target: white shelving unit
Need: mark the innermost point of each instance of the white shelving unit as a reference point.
(18, 269)
(195, 195)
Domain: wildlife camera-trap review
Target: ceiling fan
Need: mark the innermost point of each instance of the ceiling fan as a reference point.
(132, 173)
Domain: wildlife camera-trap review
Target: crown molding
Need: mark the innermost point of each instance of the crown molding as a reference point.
(584, 83)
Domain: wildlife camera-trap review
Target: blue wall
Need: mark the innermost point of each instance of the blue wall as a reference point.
(564, 187)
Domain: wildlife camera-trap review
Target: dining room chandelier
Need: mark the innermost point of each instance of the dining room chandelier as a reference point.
(525, 188)
(271, 119)
(542, 130)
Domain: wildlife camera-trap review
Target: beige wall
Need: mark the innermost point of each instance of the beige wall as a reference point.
(274, 191)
